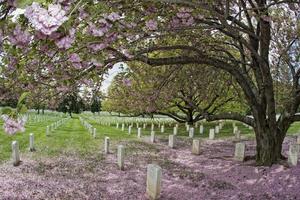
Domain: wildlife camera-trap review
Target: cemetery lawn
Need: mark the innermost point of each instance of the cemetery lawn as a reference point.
(70, 164)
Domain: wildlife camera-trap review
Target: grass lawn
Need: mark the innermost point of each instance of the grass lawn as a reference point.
(73, 139)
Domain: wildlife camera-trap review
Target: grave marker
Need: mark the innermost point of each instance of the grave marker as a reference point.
(31, 142)
(152, 137)
(171, 141)
(293, 154)
(201, 129)
(139, 133)
(211, 134)
(196, 147)
(154, 175)
(239, 153)
(121, 155)
(191, 132)
(15, 153)
(106, 145)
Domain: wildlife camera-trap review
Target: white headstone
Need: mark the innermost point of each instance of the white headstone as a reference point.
(239, 153)
(187, 127)
(211, 134)
(31, 142)
(123, 127)
(196, 147)
(191, 132)
(162, 128)
(152, 137)
(139, 133)
(175, 130)
(217, 129)
(293, 154)
(94, 132)
(117, 126)
(144, 126)
(152, 127)
(15, 153)
(106, 145)
(235, 129)
(171, 141)
(201, 129)
(154, 175)
(129, 129)
(121, 155)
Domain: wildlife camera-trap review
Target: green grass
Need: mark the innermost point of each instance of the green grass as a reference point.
(74, 140)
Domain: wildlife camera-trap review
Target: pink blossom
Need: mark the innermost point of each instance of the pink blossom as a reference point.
(74, 57)
(19, 37)
(151, 25)
(82, 13)
(46, 21)
(76, 60)
(67, 41)
(113, 16)
(12, 126)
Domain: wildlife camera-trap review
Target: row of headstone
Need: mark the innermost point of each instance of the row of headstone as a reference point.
(88, 127)
(52, 127)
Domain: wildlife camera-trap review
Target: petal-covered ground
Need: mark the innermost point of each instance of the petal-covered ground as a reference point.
(211, 175)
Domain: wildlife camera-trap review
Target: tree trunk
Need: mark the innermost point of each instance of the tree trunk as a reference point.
(268, 145)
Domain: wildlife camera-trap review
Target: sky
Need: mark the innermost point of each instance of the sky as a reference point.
(109, 77)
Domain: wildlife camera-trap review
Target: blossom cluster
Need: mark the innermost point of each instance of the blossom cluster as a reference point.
(43, 20)
(12, 126)
(183, 17)
(75, 60)
(19, 37)
(66, 41)
(151, 25)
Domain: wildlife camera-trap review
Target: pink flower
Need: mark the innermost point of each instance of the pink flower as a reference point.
(19, 37)
(82, 13)
(74, 57)
(46, 21)
(12, 126)
(75, 60)
(113, 16)
(67, 41)
(151, 25)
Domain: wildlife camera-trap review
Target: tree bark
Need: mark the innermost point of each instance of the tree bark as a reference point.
(268, 147)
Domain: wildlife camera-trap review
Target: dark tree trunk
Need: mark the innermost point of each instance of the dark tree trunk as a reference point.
(269, 140)
(268, 147)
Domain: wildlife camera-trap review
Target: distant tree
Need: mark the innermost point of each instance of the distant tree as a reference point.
(72, 103)
(96, 105)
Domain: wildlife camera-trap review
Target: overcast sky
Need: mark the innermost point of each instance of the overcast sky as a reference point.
(109, 77)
